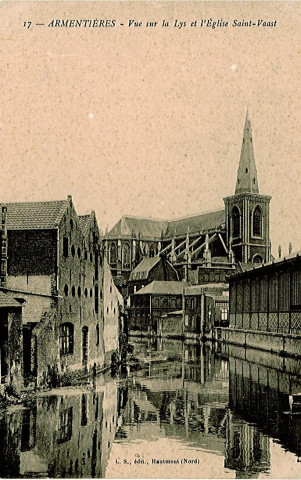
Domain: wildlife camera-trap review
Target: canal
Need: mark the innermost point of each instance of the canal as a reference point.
(178, 410)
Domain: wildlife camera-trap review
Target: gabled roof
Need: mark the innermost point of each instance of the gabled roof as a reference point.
(84, 222)
(163, 288)
(7, 300)
(143, 268)
(147, 227)
(152, 228)
(196, 223)
(35, 215)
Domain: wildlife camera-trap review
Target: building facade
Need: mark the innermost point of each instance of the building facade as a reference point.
(152, 302)
(55, 263)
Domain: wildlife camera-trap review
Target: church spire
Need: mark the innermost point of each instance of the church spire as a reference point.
(247, 175)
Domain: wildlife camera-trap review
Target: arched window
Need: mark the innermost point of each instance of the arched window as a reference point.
(235, 222)
(66, 338)
(126, 256)
(113, 254)
(257, 222)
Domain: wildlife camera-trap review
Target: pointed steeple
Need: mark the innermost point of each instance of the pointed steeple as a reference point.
(247, 175)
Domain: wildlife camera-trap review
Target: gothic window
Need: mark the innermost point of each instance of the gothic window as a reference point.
(235, 222)
(257, 222)
(126, 256)
(113, 254)
(66, 338)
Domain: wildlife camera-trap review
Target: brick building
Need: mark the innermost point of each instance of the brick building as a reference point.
(55, 264)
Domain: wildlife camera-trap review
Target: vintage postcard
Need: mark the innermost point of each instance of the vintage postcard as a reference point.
(150, 280)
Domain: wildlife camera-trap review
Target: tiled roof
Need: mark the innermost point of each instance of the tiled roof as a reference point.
(7, 300)
(35, 215)
(163, 288)
(196, 223)
(84, 221)
(151, 228)
(147, 227)
(143, 268)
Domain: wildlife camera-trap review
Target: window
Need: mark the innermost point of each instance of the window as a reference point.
(224, 314)
(79, 292)
(66, 290)
(65, 425)
(97, 334)
(96, 298)
(86, 292)
(78, 253)
(73, 291)
(126, 256)
(113, 254)
(65, 246)
(66, 338)
(257, 222)
(235, 222)
(71, 224)
(73, 250)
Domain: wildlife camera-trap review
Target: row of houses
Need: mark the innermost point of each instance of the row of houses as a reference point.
(60, 310)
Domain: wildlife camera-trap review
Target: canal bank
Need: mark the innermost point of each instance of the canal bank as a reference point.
(282, 344)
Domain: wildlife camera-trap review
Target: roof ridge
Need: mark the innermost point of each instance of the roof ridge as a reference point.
(145, 218)
(34, 201)
(197, 214)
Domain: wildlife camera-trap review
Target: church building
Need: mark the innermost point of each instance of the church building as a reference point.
(206, 247)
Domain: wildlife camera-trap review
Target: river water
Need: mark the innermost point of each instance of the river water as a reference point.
(179, 410)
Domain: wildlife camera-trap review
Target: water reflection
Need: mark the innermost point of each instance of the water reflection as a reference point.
(226, 414)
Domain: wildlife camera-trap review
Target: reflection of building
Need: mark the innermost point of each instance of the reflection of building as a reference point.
(184, 396)
(260, 395)
(203, 248)
(247, 449)
(68, 436)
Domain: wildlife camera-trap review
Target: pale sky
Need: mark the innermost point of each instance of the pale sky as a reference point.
(149, 121)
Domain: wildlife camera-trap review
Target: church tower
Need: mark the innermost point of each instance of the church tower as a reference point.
(247, 212)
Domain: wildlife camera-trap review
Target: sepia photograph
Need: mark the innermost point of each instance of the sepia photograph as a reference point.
(150, 240)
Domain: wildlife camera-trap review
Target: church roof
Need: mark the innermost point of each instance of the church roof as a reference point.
(247, 181)
(195, 223)
(147, 227)
(151, 228)
(35, 215)
(163, 288)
